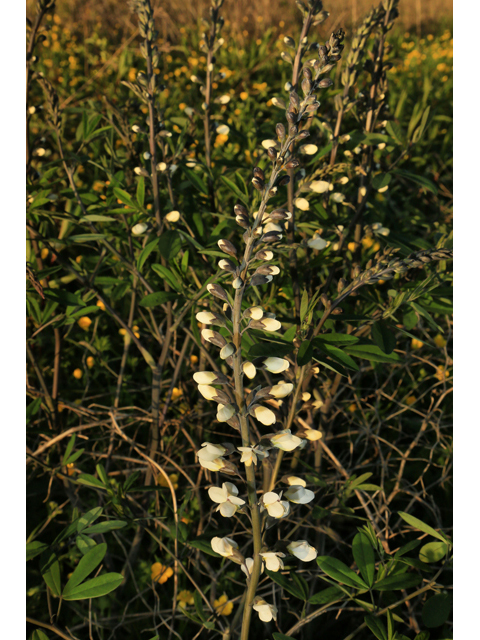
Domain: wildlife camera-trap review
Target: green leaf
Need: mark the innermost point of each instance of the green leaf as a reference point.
(305, 353)
(198, 602)
(64, 297)
(364, 557)
(90, 481)
(436, 610)
(281, 636)
(87, 564)
(38, 634)
(50, 570)
(168, 275)
(417, 179)
(68, 450)
(146, 251)
(34, 549)
(303, 305)
(372, 352)
(383, 337)
(338, 355)
(376, 626)
(204, 546)
(96, 587)
(410, 319)
(395, 131)
(433, 551)
(170, 244)
(418, 524)
(398, 582)
(141, 191)
(381, 180)
(124, 197)
(286, 584)
(196, 181)
(331, 365)
(337, 339)
(158, 298)
(269, 349)
(88, 518)
(339, 571)
(330, 594)
(103, 527)
(84, 543)
(301, 583)
(96, 217)
(233, 187)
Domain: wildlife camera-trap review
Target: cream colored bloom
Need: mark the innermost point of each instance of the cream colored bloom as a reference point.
(317, 242)
(302, 550)
(276, 365)
(281, 390)
(139, 228)
(224, 546)
(227, 351)
(309, 149)
(207, 391)
(252, 455)
(313, 434)
(319, 186)
(275, 506)
(255, 313)
(379, 229)
(285, 441)
(173, 216)
(337, 197)
(273, 560)
(227, 499)
(266, 612)
(225, 412)
(299, 495)
(263, 414)
(296, 481)
(204, 377)
(223, 130)
(270, 324)
(266, 144)
(205, 317)
(210, 456)
(302, 204)
(249, 370)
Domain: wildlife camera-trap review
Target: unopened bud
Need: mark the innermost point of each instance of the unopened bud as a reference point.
(227, 247)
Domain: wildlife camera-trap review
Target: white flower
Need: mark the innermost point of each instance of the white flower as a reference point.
(285, 441)
(319, 186)
(224, 99)
(266, 144)
(256, 313)
(273, 560)
(247, 567)
(302, 550)
(270, 324)
(227, 351)
(161, 166)
(210, 456)
(140, 171)
(252, 454)
(313, 434)
(173, 216)
(139, 228)
(205, 317)
(204, 377)
(383, 189)
(337, 197)
(276, 507)
(302, 204)
(207, 391)
(306, 396)
(299, 495)
(266, 612)
(316, 242)
(363, 191)
(223, 129)
(225, 412)
(309, 149)
(224, 546)
(343, 180)
(263, 414)
(147, 155)
(249, 370)
(272, 226)
(237, 283)
(281, 390)
(296, 481)
(378, 229)
(276, 365)
(227, 499)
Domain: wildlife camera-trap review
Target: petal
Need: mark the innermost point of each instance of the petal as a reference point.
(227, 509)
(218, 495)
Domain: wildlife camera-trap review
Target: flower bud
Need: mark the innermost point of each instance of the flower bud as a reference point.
(140, 171)
(249, 370)
(237, 283)
(258, 281)
(208, 317)
(227, 265)
(225, 412)
(217, 291)
(209, 377)
(276, 365)
(256, 313)
(214, 337)
(262, 414)
(139, 228)
(271, 236)
(227, 247)
(280, 214)
(173, 216)
(280, 131)
(227, 351)
(264, 254)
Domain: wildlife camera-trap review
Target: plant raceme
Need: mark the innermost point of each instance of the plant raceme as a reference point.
(235, 405)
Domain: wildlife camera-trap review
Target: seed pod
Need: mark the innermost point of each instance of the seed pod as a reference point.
(325, 301)
(227, 247)
(341, 285)
(303, 134)
(280, 214)
(293, 163)
(293, 129)
(325, 83)
(307, 73)
(294, 99)
(264, 254)
(214, 337)
(258, 184)
(272, 153)
(258, 173)
(217, 291)
(283, 181)
(239, 209)
(271, 236)
(280, 131)
(306, 86)
(258, 281)
(227, 265)
(337, 311)
(291, 117)
(234, 422)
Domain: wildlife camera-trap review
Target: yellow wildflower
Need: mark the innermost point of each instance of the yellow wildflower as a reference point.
(193, 359)
(162, 481)
(176, 393)
(100, 305)
(410, 400)
(440, 341)
(78, 373)
(416, 344)
(160, 573)
(367, 242)
(223, 606)
(220, 139)
(441, 373)
(44, 253)
(243, 95)
(90, 361)
(352, 408)
(84, 322)
(184, 598)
